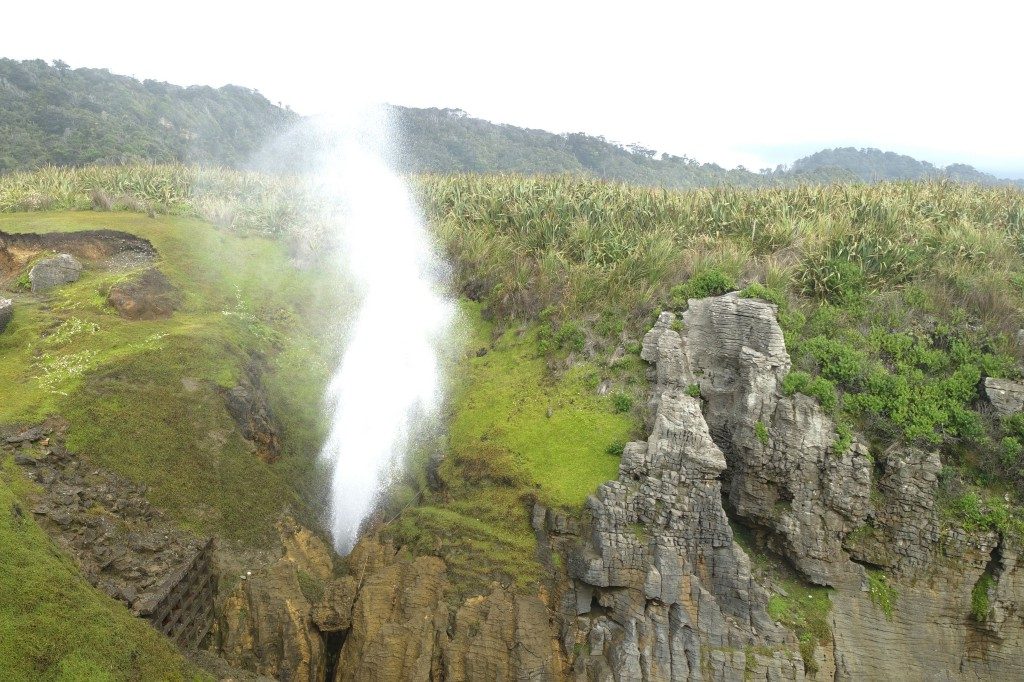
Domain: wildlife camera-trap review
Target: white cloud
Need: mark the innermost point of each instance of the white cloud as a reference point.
(715, 81)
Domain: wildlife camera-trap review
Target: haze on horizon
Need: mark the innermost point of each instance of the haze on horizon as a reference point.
(745, 83)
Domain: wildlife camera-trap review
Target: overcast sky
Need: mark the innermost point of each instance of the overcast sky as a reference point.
(752, 83)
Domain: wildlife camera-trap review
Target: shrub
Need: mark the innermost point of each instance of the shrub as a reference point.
(615, 449)
(758, 290)
(761, 431)
(837, 360)
(844, 438)
(693, 390)
(1012, 449)
(815, 387)
(622, 402)
(712, 282)
(570, 337)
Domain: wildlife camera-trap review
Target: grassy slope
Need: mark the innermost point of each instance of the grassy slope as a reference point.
(504, 452)
(119, 383)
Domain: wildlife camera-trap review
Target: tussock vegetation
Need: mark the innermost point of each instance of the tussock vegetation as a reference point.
(897, 299)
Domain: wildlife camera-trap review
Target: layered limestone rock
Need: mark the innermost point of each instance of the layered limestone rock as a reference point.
(783, 474)
(662, 590)
(931, 633)
(655, 586)
(401, 626)
(1006, 397)
(265, 622)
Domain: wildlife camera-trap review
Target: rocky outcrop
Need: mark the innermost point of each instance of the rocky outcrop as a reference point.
(149, 296)
(902, 532)
(247, 405)
(116, 249)
(662, 591)
(930, 633)
(49, 273)
(6, 313)
(1005, 396)
(398, 619)
(783, 474)
(265, 622)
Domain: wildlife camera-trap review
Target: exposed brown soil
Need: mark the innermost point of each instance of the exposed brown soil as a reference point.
(110, 248)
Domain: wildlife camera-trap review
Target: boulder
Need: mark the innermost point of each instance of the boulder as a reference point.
(150, 296)
(1007, 397)
(6, 313)
(54, 272)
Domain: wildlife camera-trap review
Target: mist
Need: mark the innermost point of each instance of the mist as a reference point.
(389, 382)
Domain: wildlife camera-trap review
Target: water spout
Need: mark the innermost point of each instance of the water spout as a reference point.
(389, 380)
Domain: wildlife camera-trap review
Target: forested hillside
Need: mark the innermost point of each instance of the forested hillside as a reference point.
(53, 115)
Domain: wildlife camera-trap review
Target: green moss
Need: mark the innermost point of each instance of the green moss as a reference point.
(882, 594)
(517, 435)
(504, 399)
(979, 597)
(143, 397)
(693, 390)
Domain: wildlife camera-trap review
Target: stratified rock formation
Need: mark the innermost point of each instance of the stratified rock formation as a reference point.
(1006, 397)
(265, 623)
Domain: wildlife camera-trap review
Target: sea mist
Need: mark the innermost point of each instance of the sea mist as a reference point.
(388, 383)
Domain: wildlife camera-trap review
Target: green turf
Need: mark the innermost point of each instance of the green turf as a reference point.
(558, 429)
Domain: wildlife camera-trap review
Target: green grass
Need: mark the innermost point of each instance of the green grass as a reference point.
(505, 452)
(53, 624)
(504, 400)
(882, 594)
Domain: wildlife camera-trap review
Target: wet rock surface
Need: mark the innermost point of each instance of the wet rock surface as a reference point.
(148, 296)
(265, 621)
(50, 273)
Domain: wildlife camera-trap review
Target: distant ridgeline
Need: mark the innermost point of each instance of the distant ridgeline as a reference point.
(51, 114)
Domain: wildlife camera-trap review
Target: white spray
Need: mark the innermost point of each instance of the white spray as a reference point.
(389, 379)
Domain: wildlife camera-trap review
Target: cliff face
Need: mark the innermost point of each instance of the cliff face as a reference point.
(654, 584)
